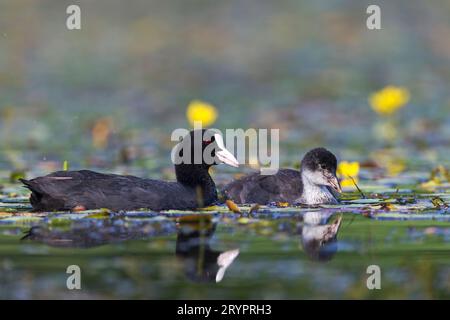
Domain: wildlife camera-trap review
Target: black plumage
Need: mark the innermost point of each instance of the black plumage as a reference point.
(66, 190)
(284, 186)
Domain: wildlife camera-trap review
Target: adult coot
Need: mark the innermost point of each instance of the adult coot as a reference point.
(66, 190)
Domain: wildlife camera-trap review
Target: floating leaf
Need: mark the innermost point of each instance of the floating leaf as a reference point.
(243, 220)
(387, 206)
(60, 222)
(232, 206)
(282, 204)
(439, 203)
(210, 208)
(104, 213)
(365, 201)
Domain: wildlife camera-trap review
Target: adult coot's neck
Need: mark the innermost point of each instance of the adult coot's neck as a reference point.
(197, 177)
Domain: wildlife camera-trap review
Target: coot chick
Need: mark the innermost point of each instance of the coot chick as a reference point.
(194, 188)
(314, 184)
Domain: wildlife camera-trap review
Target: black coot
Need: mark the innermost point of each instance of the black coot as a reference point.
(315, 183)
(66, 190)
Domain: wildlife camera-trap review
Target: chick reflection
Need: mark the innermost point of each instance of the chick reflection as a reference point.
(318, 237)
(201, 263)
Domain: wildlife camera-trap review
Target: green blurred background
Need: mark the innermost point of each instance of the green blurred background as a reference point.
(306, 67)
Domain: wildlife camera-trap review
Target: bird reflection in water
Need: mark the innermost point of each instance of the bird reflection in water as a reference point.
(200, 262)
(193, 248)
(88, 233)
(319, 235)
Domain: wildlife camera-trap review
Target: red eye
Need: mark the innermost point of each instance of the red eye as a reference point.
(207, 142)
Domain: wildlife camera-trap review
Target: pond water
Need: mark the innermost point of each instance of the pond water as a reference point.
(276, 252)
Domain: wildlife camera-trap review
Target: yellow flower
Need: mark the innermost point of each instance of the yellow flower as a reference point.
(347, 182)
(199, 111)
(345, 170)
(389, 99)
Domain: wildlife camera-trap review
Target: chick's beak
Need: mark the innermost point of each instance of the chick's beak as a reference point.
(334, 183)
